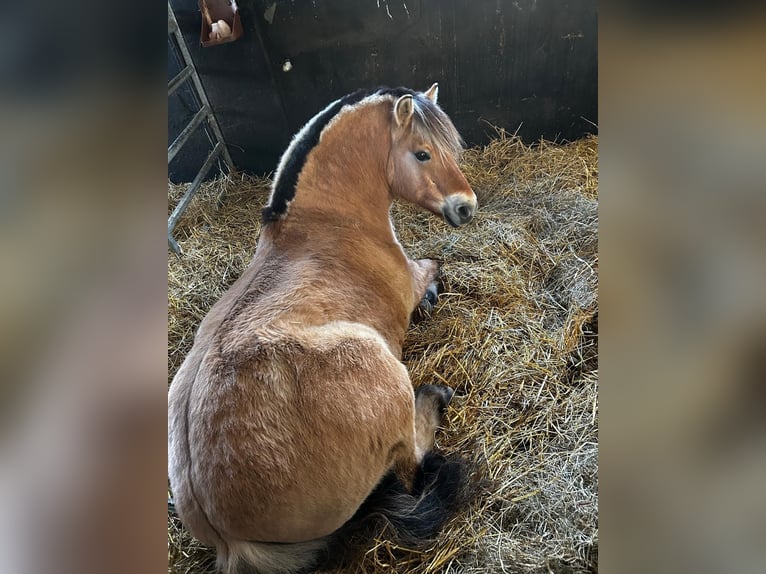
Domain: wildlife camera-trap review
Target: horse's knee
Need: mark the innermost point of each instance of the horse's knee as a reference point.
(425, 273)
(430, 268)
(430, 403)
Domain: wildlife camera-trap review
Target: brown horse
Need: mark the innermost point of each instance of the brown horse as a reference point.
(293, 405)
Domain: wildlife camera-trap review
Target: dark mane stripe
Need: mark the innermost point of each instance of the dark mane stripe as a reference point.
(287, 179)
(397, 92)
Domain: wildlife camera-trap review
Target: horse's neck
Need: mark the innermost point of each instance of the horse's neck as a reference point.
(345, 174)
(340, 214)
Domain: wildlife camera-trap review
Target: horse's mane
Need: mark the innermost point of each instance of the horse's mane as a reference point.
(429, 121)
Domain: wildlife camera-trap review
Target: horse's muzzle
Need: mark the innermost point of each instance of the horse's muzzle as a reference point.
(458, 210)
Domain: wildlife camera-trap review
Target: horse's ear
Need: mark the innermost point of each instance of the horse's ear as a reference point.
(403, 110)
(433, 92)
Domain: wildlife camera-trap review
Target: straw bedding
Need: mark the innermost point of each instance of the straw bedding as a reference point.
(515, 333)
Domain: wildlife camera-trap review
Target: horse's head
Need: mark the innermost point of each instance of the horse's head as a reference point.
(422, 165)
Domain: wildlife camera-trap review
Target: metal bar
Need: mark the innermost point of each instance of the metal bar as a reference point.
(173, 244)
(179, 79)
(193, 187)
(186, 133)
(172, 24)
(213, 123)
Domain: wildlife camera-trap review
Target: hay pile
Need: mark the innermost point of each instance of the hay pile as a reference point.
(515, 334)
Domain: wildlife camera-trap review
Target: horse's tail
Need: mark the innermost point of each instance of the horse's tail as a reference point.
(411, 519)
(268, 558)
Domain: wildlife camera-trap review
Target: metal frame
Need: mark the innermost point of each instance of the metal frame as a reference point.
(204, 116)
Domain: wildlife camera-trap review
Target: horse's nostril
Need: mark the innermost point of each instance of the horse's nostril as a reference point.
(457, 211)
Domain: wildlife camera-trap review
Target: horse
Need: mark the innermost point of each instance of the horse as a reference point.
(293, 410)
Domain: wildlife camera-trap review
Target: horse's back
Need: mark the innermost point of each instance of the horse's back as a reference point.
(289, 435)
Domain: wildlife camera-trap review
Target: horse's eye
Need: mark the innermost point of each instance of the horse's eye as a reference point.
(422, 155)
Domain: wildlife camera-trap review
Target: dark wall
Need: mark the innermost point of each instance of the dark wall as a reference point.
(529, 65)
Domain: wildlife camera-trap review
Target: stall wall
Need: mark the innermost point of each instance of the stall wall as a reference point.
(528, 66)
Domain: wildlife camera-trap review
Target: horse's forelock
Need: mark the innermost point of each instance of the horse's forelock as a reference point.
(430, 122)
(434, 125)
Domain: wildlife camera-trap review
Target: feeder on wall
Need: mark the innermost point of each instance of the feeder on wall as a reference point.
(220, 22)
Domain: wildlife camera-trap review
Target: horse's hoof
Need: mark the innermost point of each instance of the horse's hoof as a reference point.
(431, 296)
(447, 395)
(441, 394)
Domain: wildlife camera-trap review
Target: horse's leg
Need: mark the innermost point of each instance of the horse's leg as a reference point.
(425, 273)
(430, 403)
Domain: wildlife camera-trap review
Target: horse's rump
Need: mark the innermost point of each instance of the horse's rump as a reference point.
(286, 445)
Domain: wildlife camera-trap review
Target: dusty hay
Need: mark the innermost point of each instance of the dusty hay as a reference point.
(515, 334)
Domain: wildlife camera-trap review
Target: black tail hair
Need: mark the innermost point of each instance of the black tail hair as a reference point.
(411, 519)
